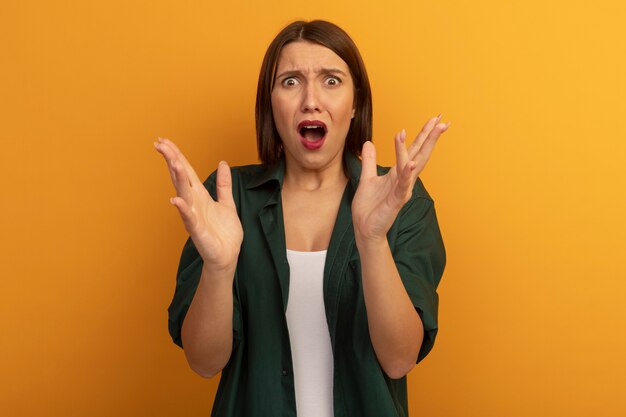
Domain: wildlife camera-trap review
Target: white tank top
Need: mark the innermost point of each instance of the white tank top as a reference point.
(311, 349)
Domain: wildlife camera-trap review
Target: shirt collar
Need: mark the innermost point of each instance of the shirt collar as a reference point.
(276, 172)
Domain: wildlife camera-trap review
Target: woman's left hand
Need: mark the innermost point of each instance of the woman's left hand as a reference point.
(378, 199)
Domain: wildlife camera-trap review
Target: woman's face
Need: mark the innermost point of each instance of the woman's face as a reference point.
(313, 104)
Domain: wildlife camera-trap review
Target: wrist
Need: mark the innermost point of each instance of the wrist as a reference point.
(370, 244)
(219, 269)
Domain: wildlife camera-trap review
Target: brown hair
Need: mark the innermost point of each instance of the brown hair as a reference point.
(337, 40)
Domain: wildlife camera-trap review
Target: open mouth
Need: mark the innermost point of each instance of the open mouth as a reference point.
(312, 133)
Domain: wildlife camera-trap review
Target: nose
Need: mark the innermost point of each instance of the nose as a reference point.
(310, 99)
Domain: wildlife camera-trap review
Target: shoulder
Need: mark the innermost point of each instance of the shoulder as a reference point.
(243, 177)
(244, 173)
(419, 191)
(248, 174)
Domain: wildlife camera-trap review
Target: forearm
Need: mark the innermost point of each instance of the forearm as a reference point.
(395, 327)
(207, 331)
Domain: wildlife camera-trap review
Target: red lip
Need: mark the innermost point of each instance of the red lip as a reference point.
(308, 144)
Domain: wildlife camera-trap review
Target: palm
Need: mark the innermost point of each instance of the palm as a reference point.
(379, 198)
(373, 205)
(213, 226)
(215, 230)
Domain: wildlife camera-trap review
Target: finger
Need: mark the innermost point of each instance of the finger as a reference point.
(170, 157)
(181, 183)
(177, 171)
(368, 166)
(161, 149)
(164, 150)
(186, 214)
(428, 146)
(405, 183)
(191, 173)
(402, 155)
(224, 185)
(421, 137)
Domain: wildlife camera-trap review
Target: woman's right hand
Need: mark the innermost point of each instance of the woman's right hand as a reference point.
(214, 226)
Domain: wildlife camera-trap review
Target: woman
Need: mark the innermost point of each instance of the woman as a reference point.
(309, 280)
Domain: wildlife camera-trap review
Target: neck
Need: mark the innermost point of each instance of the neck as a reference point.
(301, 178)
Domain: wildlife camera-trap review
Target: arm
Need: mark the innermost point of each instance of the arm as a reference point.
(207, 332)
(396, 329)
(216, 232)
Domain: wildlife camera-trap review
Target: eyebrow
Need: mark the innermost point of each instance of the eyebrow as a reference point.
(287, 74)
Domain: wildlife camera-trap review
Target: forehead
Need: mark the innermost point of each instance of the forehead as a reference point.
(307, 56)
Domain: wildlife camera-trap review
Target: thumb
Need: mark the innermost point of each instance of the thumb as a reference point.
(224, 185)
(368, 165)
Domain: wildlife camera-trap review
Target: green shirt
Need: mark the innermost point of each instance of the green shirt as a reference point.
(258, 379)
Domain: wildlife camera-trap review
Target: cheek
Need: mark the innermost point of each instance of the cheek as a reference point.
(277, 111)
(343, 107)
(281, 104)
(282, 117)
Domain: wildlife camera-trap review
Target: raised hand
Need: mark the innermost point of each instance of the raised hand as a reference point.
(378, 199)
(213, 226)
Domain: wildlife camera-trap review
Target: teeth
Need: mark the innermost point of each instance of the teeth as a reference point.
(311, 127)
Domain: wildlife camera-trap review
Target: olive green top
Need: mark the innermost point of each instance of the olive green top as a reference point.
(258, 379)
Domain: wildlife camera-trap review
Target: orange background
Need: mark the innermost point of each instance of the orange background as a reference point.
(529, 184)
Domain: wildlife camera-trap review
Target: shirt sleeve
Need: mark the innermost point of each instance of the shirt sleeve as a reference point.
(187, 280)
(420, 257)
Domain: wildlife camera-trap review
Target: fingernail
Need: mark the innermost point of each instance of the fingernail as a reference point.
(439, 117)
(403, 135)
(172, 201)
(156, 145)
(448, 124)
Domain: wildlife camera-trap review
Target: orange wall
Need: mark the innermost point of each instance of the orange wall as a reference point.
(529, 184)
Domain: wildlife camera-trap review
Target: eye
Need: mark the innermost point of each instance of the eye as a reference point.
(289, 82)
(332, 80)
